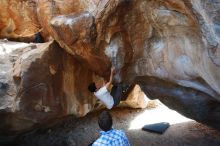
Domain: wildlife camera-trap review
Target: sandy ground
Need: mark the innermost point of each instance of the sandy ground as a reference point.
(80, 132)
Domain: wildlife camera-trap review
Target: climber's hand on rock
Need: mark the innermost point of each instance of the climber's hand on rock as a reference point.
(113, 70)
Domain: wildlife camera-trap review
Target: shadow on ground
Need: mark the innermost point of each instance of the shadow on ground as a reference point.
(80, 132)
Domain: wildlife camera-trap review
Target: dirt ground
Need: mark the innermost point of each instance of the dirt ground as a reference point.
(81, 132)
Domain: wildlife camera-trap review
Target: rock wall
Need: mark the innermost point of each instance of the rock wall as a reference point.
(170, 48)
(18, 20)
(46, 83)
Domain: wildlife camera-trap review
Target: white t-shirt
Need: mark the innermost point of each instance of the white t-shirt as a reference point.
(104, 95)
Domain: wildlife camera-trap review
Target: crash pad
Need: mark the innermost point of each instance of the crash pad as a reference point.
(157, 127)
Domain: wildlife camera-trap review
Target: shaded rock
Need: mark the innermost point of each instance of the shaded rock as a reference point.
(187, 103)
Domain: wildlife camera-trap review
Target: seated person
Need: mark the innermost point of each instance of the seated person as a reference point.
(109, 136)
(38, 38)
(109, 97)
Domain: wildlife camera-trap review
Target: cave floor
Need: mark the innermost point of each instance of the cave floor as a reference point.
(81, 132)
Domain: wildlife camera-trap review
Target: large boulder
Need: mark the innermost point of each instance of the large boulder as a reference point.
(170, 48)
(46, 83)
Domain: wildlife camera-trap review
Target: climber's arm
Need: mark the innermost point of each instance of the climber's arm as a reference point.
(108, 84)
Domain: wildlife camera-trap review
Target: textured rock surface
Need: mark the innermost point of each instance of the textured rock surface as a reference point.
(170, 47)
(137, 98)
(18, 19)
(47, 83)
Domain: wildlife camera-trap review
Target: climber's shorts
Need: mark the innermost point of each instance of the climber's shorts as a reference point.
(116, 93)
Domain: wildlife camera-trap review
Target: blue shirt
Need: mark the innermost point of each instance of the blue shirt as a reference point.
(112, 138)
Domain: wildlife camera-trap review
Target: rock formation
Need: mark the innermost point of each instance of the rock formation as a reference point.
(44, 85)
(18, 20)
(170, 48)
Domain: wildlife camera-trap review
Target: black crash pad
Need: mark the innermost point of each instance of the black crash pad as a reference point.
(157, 127)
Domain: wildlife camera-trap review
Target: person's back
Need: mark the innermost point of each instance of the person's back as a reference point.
(112, 138)
(109, 136)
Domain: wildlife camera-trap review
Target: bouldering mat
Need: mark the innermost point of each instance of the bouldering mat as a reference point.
(157, 127)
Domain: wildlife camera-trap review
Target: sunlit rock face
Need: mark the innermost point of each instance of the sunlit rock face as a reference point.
(44, 84)
(137, 98)
(170, 48)
(18, 19)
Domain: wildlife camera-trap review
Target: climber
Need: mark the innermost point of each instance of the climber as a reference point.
(109, 94)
